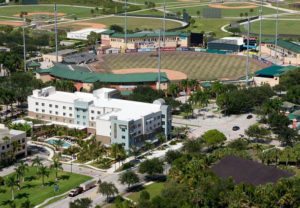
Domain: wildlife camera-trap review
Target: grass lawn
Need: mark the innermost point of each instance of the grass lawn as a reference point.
(141, 23)
(210, 25)
(149, 12)
(33, 190)
(154, 190)
(68, 10)
(225, 12)
(284, 27)
(195, 65)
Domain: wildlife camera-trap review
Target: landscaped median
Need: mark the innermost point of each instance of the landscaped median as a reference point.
(32, 188)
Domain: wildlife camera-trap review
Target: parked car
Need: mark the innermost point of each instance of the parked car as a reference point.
(249, 116)
(76, 192)
(235, 128)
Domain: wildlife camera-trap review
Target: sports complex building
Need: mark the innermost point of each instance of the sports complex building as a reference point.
(112, 120)
(144, 40)
(84, 78)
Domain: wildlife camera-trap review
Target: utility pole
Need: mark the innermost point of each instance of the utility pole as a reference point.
(159, 59)
(125, 28)
(247, 63)
(164, 35)
(55, 28)
(24, 45)
(260, 27)
(276, 31)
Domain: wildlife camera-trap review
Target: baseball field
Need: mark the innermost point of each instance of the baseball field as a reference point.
(195, 65)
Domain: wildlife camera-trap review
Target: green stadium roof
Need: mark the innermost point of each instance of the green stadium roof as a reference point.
(274, 70)
(148, 34)
(65, 72)
(33, 64)
(294, 115)
(287, 45)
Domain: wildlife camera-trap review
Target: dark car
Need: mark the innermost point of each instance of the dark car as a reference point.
(249, 116)
(235, 128)
(76, 192)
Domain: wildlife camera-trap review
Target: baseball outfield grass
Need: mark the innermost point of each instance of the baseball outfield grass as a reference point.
(284, 27)
(196, 65)
(15, 10)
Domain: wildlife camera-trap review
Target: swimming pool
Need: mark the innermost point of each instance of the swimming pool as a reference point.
(51, 141)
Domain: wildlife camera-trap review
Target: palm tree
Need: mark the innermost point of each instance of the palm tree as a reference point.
(20, 172)
(42, 172)
(26, 204)
(107, 189)
(118, 152)
(11, 182)
(173, 89)
(58, 144)
(37, 162)
(56, 166)
(198, 13)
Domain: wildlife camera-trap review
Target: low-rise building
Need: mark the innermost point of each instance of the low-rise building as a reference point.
(286, 51)
(102, 113)
(84, 33)
(51, 57)
(145, 40)
(12, 142)
(271, 75)
(234, 44)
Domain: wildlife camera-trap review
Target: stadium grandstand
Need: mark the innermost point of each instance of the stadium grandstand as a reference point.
(80, 58)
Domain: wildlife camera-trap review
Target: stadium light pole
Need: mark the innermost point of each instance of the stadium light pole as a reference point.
(55, 28)
(276, 31)
(125, 28)
(24, 45)
(164, 35)
(260, 27)
(247, 62)
(159, 59)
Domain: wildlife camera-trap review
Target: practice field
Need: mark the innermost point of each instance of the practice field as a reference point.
(192, 10)
(132, 23)
(33, 190)
(15, 10)
(284, 27)
(195, 65)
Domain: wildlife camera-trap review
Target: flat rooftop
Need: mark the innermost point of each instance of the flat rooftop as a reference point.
(5, 132)
(248, 171)
(124, 109)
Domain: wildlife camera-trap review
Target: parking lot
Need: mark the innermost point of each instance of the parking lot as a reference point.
(224, 124)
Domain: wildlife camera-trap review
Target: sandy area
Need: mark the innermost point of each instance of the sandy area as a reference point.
(227, 6)
(11, 23)
(91, 24)
(41, 13)
(172, 75)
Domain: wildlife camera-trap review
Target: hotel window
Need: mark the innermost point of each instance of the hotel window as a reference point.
(56, 106)
(83, 123)
(70, 115)
(56, 113)
(98, 112)
(123, 137)
(70, 121)
(37, 110)
(92, 118)
(92, 111)
(36, 103)
(84, 117)
(64, 107)
(50, 105)
(50, 118)
(43, 104)
(50, 111)
(70, 108)
(77, 122)
(64, 114)
(43, 111)
(78, 116)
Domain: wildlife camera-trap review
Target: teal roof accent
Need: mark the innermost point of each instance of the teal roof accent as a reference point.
(33, 64)
(294, 115)
(287, 45)
(274, 70)
(107, 32)
(71, 73)
(148, 34)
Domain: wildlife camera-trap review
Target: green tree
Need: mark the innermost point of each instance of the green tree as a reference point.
(21, 169)
(256, 132)
(81, 203)
(129, 177)
(37, 162)
(11, 182)
(43, 172)
(27, 204)
(213, 138)
(151, 167)
(107, 189)
(117, 28)
(172, 155)
(56, 165)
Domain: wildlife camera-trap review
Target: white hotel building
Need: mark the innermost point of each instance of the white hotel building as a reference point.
(112, 120)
